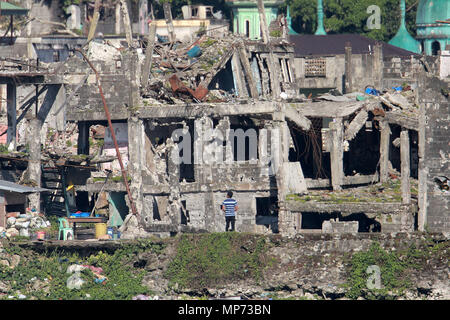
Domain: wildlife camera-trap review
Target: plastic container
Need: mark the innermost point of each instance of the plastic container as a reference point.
(110, 232)
(194, 52)
(100, 229)
(40, 235)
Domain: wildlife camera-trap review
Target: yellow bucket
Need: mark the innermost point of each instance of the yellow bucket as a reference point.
(100, 229)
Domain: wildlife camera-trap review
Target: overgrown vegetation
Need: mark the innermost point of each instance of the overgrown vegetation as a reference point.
(392, 273)
(44, 277)
(395, 269)
(217, 258)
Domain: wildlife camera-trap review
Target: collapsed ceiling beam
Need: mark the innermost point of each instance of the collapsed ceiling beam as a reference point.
(356, 125)
(296, 117)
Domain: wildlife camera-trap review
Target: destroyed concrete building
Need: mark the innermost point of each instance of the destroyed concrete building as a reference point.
(193, 120)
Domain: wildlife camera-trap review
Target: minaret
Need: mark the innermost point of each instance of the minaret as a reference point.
(289, 21)
(320, 29)
(402, 38)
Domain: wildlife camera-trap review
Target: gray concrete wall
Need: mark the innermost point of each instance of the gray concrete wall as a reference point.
(435, 206)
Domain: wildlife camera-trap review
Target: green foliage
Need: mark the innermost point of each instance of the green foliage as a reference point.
(124, 281)
(350, 16)
(392, 271)
(275, 33)
(216, 258)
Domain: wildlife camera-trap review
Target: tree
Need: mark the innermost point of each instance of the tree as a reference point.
(350, 16)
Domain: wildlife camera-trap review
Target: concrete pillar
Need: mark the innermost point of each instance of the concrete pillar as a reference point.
(34, 163)
(405, 166)
(385, 136)
(337, 153)
(262, 21)
(348, 68)
(11, 98)
(377, 65)
(126, 22)
(202, 155)
(247, 71)
(117, 19)
(2, 210)
(136, 157)
(238, 76)
(423, 173)
(83, 137)
(279, 150)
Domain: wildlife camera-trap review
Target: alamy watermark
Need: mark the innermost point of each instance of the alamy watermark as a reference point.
(216, 146)
(374, 20)
(374, 279)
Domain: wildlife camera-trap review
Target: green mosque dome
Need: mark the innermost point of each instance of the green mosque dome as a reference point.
(403, 38)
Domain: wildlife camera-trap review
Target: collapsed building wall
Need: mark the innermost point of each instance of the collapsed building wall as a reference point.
(434, 163)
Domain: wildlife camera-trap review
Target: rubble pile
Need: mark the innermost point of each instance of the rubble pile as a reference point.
(24, 224)
(182, 72)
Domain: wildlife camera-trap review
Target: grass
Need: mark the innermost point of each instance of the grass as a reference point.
(386, 192)
(396, 268)
(393, 274)
(217, 258)
(49, 268)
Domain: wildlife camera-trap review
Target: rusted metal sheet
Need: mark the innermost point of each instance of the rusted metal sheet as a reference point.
(178, 86)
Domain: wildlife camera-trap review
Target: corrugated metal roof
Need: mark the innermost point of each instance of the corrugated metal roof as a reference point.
(7, 8)
(14, 187)
(333, 44)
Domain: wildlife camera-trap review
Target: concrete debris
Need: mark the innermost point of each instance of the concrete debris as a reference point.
(102, 52)
(25, 224)
(397, 99)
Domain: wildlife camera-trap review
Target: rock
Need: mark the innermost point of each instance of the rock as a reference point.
(327, 227)
(4, 287)
(4, 262)
(398, 99)
(12, 232)
(24, 232)
(14, 261)
(10, 221)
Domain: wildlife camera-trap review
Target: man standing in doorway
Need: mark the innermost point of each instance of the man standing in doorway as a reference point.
(229, 206)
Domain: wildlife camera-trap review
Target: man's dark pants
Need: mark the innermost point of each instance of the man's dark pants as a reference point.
(230, 220)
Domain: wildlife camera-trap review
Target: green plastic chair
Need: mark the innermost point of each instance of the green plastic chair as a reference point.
(65, 230)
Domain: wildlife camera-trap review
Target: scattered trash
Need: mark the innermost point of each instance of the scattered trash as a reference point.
(443, 182)
(75, 268)
(75, 281)
(372, 91)
(194, 52)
